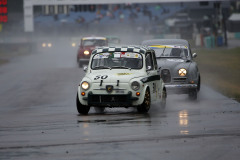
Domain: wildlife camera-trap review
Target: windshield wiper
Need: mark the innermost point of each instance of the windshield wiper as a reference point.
(101, 67)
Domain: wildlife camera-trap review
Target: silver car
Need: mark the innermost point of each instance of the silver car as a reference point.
(177, 68)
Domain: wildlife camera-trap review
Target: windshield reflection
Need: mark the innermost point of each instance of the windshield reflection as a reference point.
(172, 52)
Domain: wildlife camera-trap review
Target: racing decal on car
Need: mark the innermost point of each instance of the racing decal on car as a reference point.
(160, 46)
(123, 74)
(101, 77)
(150, 78)
(117, 55)
(167, 46)
(124, 49)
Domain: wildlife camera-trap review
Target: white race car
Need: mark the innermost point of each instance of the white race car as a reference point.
(121, 77)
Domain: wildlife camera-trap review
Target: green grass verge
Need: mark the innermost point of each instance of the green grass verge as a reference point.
(220, 69)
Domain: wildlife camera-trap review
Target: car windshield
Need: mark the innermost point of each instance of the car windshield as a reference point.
(94, 42)
(117, 60)
(114, 40)
(171, 51)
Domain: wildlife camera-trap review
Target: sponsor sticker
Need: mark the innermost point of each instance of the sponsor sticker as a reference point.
(123, 74)
(167, 46)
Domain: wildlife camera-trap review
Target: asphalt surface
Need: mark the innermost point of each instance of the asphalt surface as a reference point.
(39, 119)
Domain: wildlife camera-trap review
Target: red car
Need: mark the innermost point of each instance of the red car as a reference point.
(87, 45)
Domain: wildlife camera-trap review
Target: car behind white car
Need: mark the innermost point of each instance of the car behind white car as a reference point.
(178, 69)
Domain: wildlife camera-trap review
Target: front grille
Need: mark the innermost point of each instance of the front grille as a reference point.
(110, 100)
(180, 79)
(83, 56)
(166, 76)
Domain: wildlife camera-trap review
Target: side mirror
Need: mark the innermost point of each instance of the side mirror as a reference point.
(194, 55)
(149, 68)
(85, 68)
(158, 71)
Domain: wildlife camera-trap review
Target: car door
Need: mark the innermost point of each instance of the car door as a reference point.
(158, 82)
(151, 69)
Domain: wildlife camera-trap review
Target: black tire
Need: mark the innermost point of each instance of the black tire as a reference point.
(145, 106)
(82, 109)
(193, 94)
(99, 109)
(164, 99)
(199, 84)
(80, 65)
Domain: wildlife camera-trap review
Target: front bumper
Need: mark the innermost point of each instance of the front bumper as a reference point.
(110, 100)
(180, 88)
(184, 86)
(83, 60)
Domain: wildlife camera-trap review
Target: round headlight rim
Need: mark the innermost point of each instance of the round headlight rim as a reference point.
(138, 85)
(87, 87)
(182, 73)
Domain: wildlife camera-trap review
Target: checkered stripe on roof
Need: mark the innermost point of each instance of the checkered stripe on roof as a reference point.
(121, 49)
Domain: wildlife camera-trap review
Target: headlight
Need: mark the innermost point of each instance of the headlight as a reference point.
(49, 44)
(73, 44)
(135, 85)
(85, 85)
(44, 45)
(182, 72)
(86, 52)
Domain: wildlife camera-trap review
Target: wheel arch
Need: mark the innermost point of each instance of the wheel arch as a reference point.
(146, 87)
(193, 71)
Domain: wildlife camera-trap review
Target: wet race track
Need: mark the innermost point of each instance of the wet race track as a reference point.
(39, 119)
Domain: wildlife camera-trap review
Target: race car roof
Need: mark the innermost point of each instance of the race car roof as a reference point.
(136, 49)
(89, 38)
(180, 42)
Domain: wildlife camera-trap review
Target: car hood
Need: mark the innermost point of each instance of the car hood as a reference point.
(173, 64)
(111, 76)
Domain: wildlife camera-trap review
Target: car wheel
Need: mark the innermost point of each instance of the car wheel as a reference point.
(193, 94)
(199, 84)
(79, 65)
(82, 109)
(164, 99)
(99, 109)
(145, 106)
